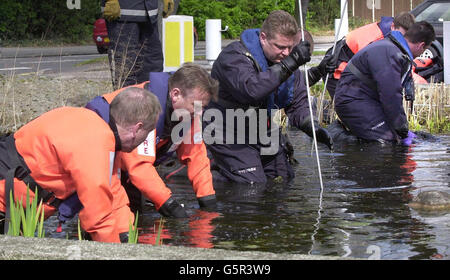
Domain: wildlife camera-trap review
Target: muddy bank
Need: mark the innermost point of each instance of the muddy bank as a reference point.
(24, 98)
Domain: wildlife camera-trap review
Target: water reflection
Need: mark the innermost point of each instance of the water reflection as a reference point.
(365, 203)
(362, 212)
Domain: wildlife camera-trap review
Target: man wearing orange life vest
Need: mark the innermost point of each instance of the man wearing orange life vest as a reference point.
(70, 150)
(176, 92)
(359, 38)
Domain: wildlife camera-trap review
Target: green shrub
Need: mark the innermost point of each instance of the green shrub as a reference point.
(53, 20)
(15, 18)
(47, 19)
(238, 15)
(244, 14)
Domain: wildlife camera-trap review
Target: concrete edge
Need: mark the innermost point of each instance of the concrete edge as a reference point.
(21, 248)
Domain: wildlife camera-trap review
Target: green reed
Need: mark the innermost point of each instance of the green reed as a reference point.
(158, 240)
(28, 222)
(133, 230)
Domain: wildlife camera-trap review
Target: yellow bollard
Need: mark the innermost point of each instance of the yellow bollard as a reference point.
(177, 41)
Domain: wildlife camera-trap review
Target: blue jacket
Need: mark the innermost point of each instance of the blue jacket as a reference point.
(369, 113)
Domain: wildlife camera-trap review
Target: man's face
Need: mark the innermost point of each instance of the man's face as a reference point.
(418, 48)
(277, 48)
(185, 100)
(132, 136)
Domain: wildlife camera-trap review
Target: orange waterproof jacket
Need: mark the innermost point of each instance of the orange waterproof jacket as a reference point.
(358, 39)
(361, 37)
(141, 170)
(72, 150)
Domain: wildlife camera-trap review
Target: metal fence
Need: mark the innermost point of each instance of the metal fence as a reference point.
(374, 9)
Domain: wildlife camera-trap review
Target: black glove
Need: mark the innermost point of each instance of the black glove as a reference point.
(327, 65)
(208, 201)
(314, 75)
(402, 130)
(322, 134)
(171, 208)
(299, 55)
(123, 236)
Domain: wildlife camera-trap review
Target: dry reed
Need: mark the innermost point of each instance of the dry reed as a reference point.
(431, 109)
(27, 96)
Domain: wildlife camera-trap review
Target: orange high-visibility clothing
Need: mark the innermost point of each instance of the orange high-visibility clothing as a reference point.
(420, 63)
(358, 39)
(72, 150)
(140, 164)
(361, 37)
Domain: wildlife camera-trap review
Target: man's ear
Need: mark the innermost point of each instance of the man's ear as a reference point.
(392, 26)
(137, 127)
(175, 94)
(262, 36)
(422, 45)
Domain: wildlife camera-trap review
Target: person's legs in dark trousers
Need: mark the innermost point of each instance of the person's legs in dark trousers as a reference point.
(238, 163)
(150, 58)
(123, 52)
(278, 167)
(331, 85)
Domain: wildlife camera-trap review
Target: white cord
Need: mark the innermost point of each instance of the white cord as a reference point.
(320, 105)
(309, 101)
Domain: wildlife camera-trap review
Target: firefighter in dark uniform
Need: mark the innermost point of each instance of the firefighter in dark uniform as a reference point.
(261, 72)
(135, 49)
(359, 38)
(369, 94)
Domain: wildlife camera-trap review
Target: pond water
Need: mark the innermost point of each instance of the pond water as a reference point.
(362, 211)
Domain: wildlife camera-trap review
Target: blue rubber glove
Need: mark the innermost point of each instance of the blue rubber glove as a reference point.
(69, 208)
(409, 139)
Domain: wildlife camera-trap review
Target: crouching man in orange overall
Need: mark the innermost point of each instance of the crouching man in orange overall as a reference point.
(70, 150)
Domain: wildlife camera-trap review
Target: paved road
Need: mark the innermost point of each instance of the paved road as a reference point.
(45, 64)
(56, 60)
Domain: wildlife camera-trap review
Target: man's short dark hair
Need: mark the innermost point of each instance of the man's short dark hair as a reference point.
(191, 76)
(404, 20)
(421, 31)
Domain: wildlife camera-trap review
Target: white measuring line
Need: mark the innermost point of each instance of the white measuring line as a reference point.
(319, 211)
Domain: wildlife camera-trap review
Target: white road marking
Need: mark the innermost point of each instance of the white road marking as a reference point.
(52, 61)
(15, 68)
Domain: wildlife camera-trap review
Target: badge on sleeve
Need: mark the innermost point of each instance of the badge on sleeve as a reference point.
(147, 148)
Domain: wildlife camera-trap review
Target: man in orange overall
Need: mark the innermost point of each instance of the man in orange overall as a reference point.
(177, 93)
(70, 150)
